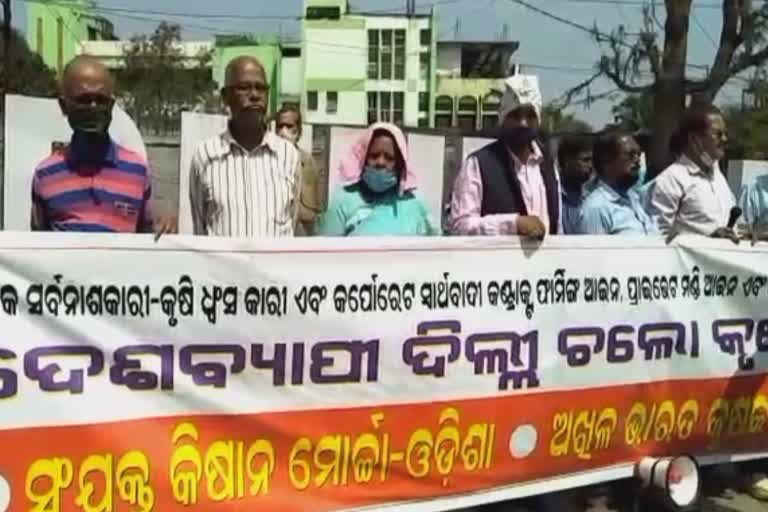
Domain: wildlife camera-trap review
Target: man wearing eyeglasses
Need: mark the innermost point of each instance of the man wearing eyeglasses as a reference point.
(245, 182)
(614, 207)
(92, 184)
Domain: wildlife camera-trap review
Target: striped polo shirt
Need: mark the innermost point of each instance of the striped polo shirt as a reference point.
(69, 195)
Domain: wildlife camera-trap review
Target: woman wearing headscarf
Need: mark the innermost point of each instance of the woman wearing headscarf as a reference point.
(378, 196)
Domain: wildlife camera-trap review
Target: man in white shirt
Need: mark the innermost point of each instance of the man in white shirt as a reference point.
(245, 182)
(692, 196)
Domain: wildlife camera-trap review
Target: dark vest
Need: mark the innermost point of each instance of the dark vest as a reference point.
(501, 188)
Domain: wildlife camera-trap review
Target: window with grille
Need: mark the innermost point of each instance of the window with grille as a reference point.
(312, 100)
(399, 54)
(331, 102)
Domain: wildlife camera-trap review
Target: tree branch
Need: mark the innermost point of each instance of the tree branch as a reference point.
(731, 37)
(620, 79)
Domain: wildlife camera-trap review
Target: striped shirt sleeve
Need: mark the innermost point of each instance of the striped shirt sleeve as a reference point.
(197, 197)
(146, 219)
(37, 220)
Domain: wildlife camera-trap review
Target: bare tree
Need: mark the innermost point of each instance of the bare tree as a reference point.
(641, 64)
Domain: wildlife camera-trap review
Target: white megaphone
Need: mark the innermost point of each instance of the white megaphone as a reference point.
(672, 482)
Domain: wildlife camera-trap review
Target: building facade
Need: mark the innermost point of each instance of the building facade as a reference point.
(470, 82)
(112, 53)
(359, 68)
(56, 29)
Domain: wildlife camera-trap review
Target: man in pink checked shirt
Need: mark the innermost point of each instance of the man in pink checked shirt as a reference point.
(509, 187)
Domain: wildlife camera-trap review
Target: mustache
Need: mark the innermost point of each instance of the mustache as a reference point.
(255, 108)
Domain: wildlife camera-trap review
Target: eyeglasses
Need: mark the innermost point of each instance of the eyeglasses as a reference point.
(245, 88)
(87, 100)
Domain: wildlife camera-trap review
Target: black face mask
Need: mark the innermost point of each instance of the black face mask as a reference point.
(249, 118)
(518, 138)
(574, 179)
(91, 120)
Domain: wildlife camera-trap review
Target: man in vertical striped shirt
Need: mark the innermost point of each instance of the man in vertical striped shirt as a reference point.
(245, 182)
(93, 184)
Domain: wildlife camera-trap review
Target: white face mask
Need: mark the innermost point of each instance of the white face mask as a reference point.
(707, 160)
(291, 135)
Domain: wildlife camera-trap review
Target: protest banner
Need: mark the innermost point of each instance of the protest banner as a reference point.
(402, 374)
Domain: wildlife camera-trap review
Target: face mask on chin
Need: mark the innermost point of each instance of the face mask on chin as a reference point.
(704, 158)
(289, 135)
(707, 160)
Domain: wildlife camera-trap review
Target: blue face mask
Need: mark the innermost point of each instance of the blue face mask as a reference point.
(379, 179)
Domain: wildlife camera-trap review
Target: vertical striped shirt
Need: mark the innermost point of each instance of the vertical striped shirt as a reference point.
(111, 196)
(240, 193)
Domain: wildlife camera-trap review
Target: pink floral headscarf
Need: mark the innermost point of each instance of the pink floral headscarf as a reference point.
(351, 166)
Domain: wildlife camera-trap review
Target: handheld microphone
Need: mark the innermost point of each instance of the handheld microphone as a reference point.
(734, 216)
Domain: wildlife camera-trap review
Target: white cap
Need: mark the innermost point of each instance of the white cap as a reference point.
(520, 90)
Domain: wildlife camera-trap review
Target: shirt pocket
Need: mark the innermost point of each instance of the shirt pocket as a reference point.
(285, 203)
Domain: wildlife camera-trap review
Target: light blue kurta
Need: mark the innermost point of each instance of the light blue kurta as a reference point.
(606, 212)
(393, 214)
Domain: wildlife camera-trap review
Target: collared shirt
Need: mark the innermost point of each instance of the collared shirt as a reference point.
(240, 193)
(754, 203)
(467, 198)
(607, 212)
(111, 196)
(571, 206)
(688, 200)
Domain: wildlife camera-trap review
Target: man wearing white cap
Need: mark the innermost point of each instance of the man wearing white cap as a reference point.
(509, 187)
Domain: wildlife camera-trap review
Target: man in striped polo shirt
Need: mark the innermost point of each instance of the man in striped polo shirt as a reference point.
(245, 182)
(93, 184)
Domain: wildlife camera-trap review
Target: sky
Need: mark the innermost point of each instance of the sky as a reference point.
(561, 55)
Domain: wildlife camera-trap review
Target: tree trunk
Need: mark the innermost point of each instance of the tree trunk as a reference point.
(668, 105)
(669, 89)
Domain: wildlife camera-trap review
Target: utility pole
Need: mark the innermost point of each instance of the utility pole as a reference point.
(6, 76)
(6, 44)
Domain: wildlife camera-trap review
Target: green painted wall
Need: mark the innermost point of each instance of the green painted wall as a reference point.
(270, 57)
(55, 29)
(62, 29)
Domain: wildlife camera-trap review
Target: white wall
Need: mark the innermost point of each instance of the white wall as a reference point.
(335, 53)
(113, 52)
(342, 54)
(352, 109)
(448, 57)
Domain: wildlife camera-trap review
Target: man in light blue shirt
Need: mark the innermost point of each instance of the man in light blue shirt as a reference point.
(574, 158)
(754, 204)
(613, 207)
